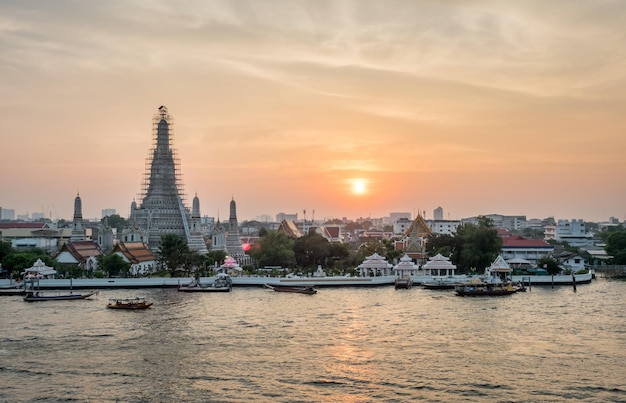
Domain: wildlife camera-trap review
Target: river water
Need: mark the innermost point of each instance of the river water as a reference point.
(340, 345)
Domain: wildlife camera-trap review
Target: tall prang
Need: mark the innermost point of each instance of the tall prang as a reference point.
(78, 231)
(233, 242)
(162, 210)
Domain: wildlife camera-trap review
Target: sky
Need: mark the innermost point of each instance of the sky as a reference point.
(337, 108)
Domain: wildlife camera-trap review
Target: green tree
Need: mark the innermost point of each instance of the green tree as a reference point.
(480, 245)
(604, 235)
(445, 244)
(274, 249)
(369, 248)
(115, 221)
(174, 254)
(340, 255)
(214, 258)
(17, 262)
(311, 250)
(5, 249)
(616, 247)
(113, 265)
(550, 264)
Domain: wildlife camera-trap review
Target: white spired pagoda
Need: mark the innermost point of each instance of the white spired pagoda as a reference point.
(161, 209)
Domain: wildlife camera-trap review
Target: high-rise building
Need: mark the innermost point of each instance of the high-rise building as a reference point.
(7, 213)
(162, 210)
(438, 214)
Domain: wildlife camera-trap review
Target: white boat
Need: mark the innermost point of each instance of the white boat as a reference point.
(557, 279)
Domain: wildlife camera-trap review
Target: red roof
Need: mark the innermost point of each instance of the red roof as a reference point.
(21, 225)
(519, 242)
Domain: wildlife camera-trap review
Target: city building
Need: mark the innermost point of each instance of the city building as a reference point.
(27, 235)
(438, 214)
(397, 216)
(285, 216)
(573, 232)
(443, 227)
(401, 225)
(508, 222)
(516, 248)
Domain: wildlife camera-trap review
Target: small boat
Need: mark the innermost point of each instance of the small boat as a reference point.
(13, 290)
(128, 303)
(487, 289)
(36, 296)
(222, 283)
(304, 289)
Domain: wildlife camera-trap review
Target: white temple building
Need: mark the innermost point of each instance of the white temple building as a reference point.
(375, 265)
(439, 265)
(406, 267)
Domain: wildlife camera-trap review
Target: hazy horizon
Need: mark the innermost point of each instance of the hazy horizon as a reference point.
(349, 108)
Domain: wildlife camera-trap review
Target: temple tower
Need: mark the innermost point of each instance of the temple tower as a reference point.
(196, 240)
(162, 210)
(233, 243)
(219, 237)
(78, 231)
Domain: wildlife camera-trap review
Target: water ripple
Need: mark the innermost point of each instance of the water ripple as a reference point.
(340, 345)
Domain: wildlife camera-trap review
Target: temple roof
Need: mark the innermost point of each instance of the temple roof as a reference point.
(135, 252)
(289, 228)
(375, 261)
(439, 262)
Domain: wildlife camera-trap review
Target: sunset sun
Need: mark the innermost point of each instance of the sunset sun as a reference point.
(359, 186)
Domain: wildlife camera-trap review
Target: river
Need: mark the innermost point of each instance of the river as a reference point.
(340, 345)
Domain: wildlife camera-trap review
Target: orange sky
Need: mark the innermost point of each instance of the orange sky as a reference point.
(479, 107)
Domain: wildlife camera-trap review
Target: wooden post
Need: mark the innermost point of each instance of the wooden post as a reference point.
(574, 281)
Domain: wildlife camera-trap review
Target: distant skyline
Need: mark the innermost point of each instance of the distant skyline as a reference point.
(349, 108)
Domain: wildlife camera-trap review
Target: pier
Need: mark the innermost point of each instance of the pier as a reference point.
(610, 271)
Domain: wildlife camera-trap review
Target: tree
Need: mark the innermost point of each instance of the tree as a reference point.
(446, 245)
(17, 262)
(385, 248)
(113, 265)
(274, 249)
(174, 254)
(550, 264)
(115, 221)
(214, 258)
(616, 247)
(480, 244)
(311, 250)
(340, 254)
(5, 249)
(604, 235)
